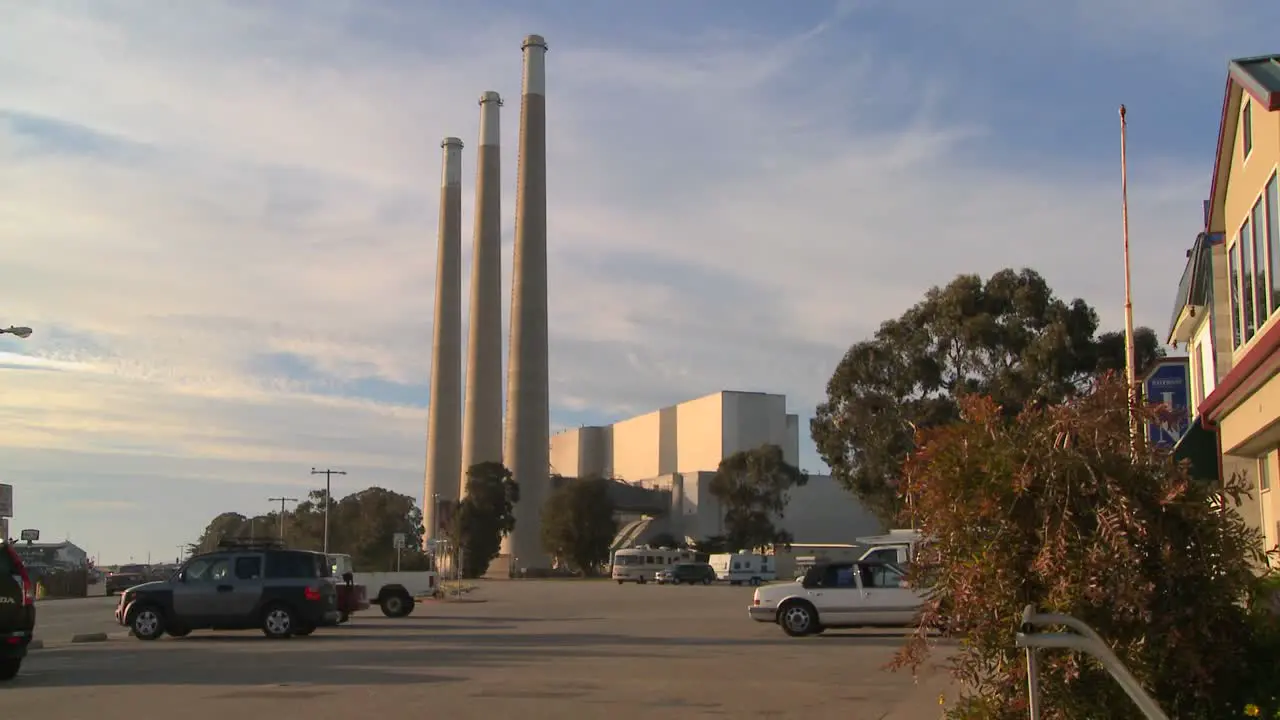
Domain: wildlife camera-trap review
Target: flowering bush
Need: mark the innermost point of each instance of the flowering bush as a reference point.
(1055, 509)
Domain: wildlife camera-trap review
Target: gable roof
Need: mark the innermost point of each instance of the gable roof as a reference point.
(1260, 77)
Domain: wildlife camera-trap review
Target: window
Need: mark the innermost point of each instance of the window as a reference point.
(249, 568)
(1233, 269)
(1273, 240)
(295, 565)
(208, 570)
(1264, 472)
(1245, 243)
(1246, 126)
(881, 576)
(838, 576)
(1261, 283)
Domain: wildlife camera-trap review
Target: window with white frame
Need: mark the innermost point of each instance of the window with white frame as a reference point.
(1253, 264)
(1264, 472)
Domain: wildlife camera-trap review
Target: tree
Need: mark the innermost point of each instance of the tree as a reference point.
(225, 526)
(666, 540)
(361, 525)
(1009, 338)
(484, 517)
(753, 487)
(1049, 508)
(578, 524)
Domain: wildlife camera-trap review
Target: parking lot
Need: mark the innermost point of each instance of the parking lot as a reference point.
(530, 649)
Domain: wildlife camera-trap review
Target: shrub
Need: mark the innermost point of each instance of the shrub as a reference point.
(1052, 508)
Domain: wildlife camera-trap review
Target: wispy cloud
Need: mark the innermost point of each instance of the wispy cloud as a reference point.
(221, 219)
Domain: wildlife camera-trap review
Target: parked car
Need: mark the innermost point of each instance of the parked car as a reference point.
(126, 577)
(686, 573)
(840, 595)
(17, 611)
(243, 585)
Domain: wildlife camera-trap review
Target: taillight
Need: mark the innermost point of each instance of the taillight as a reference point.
(311, 593)
(22, 578)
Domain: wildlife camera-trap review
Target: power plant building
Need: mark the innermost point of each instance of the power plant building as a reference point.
(676, 450)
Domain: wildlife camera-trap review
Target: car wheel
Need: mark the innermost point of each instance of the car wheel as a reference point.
(396, 605)
(9, 668)
(278, 622)
(619, 582)
(304, 630)
(147, 623)
(706, 581)
(178, 632)
(798, 619)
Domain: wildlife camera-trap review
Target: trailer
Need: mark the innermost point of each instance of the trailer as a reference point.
(743, 567)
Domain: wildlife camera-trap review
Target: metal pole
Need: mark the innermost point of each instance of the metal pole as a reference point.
(1130, 360)
(398, 559)
(1033, 683)
(328, 499)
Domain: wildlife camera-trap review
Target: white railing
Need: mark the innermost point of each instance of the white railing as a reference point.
(1084, 640)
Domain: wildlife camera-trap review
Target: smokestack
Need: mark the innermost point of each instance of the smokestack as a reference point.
(444, 413)
(482, 421)
(528, 430)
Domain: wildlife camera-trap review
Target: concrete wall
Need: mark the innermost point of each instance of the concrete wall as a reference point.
(819, 512)
(700, 433)
(637, 447)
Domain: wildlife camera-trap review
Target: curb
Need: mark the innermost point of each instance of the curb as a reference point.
(80, 639)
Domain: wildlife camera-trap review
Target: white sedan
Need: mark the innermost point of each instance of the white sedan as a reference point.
(839, 595)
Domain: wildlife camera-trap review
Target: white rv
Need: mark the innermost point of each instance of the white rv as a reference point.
(639, 564)
(738, 568)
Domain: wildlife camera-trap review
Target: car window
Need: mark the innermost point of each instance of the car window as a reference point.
(197, 570)
(296, 565)
(883, 555)
(249, 568)
(839, 576)
(219, 570)
(881, 576)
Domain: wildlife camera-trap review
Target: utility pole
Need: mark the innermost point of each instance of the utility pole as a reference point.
(282, 501)
(328, 499)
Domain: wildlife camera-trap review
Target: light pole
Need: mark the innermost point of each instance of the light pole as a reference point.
(282, 501)
(328, 499)
(22, 332)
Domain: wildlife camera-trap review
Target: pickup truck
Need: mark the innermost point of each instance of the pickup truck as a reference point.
(395, 593)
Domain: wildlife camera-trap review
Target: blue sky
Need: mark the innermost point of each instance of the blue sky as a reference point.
(221, 218)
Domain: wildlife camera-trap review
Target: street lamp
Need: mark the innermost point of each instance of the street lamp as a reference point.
(22, 332)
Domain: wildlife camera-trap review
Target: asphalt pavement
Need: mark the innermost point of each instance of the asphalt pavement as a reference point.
(519, 649)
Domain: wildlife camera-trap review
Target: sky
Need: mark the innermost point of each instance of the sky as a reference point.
(220, 219)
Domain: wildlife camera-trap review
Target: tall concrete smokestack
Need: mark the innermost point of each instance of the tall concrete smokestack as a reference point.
(482, 421)
(444, 413)
(528, 407)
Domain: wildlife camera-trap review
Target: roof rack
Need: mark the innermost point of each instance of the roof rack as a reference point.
(250, 544)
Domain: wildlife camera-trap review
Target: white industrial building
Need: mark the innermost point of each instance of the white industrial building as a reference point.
(677, 450)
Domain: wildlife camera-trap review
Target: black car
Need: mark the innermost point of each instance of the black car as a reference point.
(126, 577)
(17, 611)
(241, 586)
(687, 574)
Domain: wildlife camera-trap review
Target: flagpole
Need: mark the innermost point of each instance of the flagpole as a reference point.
(1130, 361)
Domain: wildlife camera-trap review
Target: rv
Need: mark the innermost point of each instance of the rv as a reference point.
(739, 568)
(639, 564)
(897, 547)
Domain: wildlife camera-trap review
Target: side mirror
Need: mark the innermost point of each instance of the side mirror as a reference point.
(180, 576)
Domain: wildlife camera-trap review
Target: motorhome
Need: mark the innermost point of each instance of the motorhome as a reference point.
(639, 564)
(896, 547)
(738, 568)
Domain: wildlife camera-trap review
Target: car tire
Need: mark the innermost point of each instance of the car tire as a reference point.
(798, 618)
(147, 623)
(9, 668)
(706, 581)
(279, 622)
(620, 582)
(396, 605)
(304, 630)
(178, 632)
